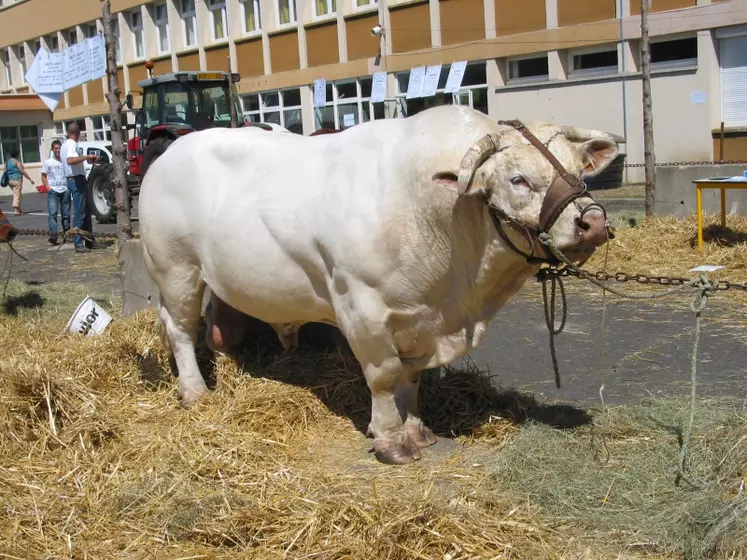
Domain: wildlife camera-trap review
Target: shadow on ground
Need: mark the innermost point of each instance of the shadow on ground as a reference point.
(12, 305)
(455, 402)
(721, 236)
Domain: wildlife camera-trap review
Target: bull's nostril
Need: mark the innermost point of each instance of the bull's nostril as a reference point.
(11, 235)
(582, 224)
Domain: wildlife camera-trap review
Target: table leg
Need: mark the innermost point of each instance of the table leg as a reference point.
(699, 210)
(723, 207)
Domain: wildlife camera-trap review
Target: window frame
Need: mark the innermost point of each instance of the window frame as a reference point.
(21, 55)
(280, 108)
(134, 31)
(7, 58)
(53, 44)
(105, 129)
(191, 16)
(19, 139)
(218, 6)
(601, 70)
(258, 16)
(526, 79)
(368, 4)
(71, 33)
(331, 10)
(680, 63)
(162, 22)
(292, 9)
(89, 26)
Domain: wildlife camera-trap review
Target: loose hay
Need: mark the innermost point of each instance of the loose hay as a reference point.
(97, 461)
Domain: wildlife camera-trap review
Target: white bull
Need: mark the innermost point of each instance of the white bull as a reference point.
(382, 230)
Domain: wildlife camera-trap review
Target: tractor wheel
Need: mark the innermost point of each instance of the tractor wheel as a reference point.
(153, 151)
(101, 194)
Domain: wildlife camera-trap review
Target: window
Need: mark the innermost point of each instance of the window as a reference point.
(594, 61)
(348, 104)
(324, 7)
(162, 25)
(286, 11)
(91, 30)
(218, 14)
(472, 93)
(8, 69)
(362, 3)
(733, 51)
(71, 36)
(22, 61)
(281, 107)
(138, 41)
(53, 43)
(189, 22)
(678, 52)
(101, 128)
(25, 137)
(528, 68)
(252, 19)
(37, 46)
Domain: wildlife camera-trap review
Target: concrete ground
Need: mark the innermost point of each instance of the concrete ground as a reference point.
(647, 345)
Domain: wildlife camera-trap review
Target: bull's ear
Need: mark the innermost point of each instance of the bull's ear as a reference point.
(447, 180)
(598, 149)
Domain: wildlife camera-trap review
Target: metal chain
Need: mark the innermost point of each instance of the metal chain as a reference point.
(683, 163)
(72, 231)
(622, 277)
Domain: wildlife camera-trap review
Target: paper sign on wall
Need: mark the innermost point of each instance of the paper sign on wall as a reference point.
(32, 76)
(320, 92)
(697, 97)
(46, 73)
(348, 119)
(432, 75)
(415, 85)
(456, 74)
(378, 87)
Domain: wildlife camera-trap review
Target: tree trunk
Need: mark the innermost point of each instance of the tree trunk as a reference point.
(119, 145)
(648, 113)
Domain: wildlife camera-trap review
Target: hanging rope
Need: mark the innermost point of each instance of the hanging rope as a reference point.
(555, 282)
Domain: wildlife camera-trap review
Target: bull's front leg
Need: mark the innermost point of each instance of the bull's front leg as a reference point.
(408, 397)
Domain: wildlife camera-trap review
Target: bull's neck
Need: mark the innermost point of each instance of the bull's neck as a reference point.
(491, 270)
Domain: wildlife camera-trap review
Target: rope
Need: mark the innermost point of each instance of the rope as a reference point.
(701, 300)
(555, 281)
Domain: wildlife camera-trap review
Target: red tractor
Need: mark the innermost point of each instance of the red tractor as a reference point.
(174, 104)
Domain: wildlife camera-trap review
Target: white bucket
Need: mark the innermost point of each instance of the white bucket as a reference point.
(89, 319)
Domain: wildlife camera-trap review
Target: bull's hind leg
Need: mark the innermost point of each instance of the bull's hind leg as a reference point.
(181, 301)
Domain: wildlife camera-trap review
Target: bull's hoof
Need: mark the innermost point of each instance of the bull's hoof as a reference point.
(391, 453)
(188, 398)
(421, 436)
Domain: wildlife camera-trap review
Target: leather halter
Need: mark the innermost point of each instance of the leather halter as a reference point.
(562, 192)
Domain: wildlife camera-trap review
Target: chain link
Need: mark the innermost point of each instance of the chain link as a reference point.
(622, 277)
(71, 232)
(683, 163)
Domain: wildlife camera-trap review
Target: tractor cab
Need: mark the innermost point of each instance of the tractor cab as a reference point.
(178, 103)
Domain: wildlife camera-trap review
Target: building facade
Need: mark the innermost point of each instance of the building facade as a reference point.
(572, 61)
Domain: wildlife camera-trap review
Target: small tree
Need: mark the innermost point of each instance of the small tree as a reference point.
(119, 147)
(649, 158)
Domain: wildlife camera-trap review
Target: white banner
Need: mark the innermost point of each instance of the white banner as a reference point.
(76, 61)
(456, 74)
(415, 85)
(432, 75)
(97, 48)
(378, 87)
(320, 92)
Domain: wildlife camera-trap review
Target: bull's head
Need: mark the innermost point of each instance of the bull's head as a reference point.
(7, 230)
(538, 188)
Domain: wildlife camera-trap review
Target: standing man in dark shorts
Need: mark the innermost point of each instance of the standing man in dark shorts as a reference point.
(77, 184)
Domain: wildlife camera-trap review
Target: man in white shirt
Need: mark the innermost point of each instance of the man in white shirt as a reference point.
(72, 162)
(58, 197)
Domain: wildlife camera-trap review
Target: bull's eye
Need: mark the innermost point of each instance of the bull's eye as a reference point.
(519, 181)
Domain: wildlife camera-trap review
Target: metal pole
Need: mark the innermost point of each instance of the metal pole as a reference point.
(623, 83)
(648, 116)
(721, 144)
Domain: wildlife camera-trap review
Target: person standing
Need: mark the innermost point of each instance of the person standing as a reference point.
(58, 197)
(77, 184)
(16, 173)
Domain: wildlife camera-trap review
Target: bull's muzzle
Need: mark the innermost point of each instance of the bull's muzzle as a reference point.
(592, 228)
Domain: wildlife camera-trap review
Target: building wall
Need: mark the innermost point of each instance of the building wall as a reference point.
(420, 32)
